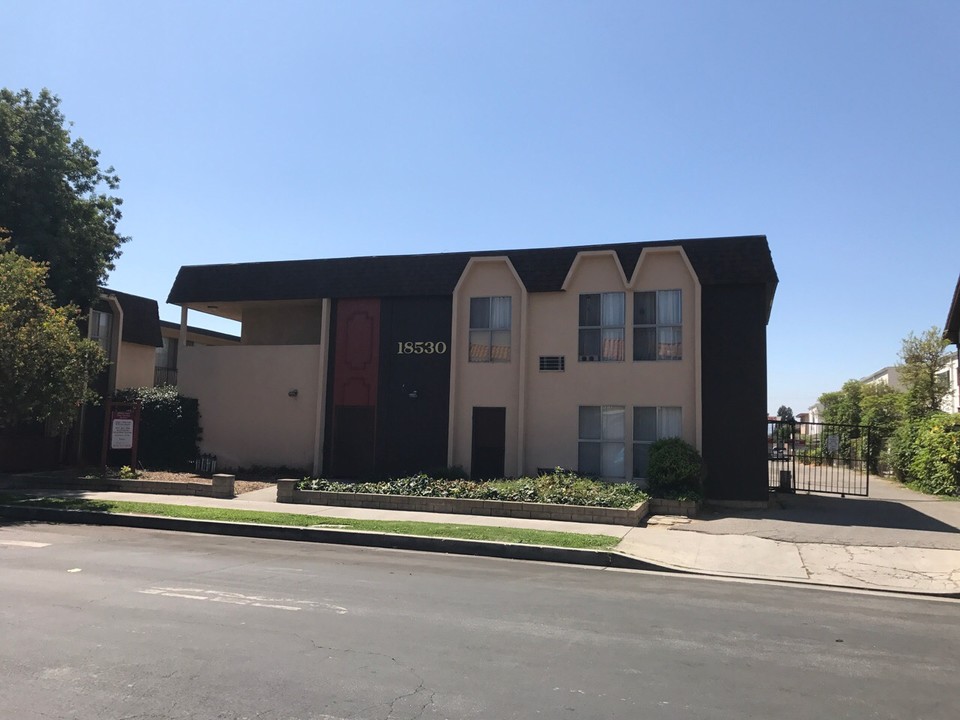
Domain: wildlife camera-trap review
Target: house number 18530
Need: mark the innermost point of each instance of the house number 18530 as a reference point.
(421, 347)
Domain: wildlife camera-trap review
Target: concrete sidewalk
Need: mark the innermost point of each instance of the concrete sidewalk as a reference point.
(895, 541)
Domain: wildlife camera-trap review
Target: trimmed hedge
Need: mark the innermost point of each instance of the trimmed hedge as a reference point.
(169, 427)
(558, 487)
(675, 470)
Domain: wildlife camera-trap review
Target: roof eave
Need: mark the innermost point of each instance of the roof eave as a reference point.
(952, 328)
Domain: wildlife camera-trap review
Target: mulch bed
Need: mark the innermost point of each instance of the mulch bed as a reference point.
(239, 486)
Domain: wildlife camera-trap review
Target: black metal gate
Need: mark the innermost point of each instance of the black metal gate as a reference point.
(818, 457)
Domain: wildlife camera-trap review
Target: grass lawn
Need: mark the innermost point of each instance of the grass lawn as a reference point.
(464, 532)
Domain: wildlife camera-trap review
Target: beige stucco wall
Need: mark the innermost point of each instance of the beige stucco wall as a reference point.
(543, 407)
(485, 384)
(136, 365)
(247, 415)
(553, 398)
(282, 324)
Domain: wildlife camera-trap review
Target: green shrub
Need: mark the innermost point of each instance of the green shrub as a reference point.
(935, 459)
(903, 448)
(675, 470)
(559, 487)
(127, 473)
(169, 427)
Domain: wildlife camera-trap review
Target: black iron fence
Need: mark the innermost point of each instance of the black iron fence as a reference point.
(819, 457)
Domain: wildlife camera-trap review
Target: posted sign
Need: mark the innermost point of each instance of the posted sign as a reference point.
(121, 426)
(121, 430)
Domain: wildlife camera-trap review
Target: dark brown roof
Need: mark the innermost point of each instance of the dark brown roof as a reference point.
(952, 329)
(200, 331)
(717, 261)
(141, 318)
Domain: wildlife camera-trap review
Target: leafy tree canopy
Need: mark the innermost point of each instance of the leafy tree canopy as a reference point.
(51, 196)
(785, 413)
(923, 358)
(45, 364)
(843, 406)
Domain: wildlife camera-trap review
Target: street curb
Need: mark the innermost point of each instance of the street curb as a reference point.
(355, 538)
(419, 543)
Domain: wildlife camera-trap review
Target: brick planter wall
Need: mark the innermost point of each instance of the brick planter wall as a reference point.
(660, 506)
(221, 487)
(287, 492)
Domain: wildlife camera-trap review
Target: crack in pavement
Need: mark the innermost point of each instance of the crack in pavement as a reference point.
(803, 562)
(391, 704)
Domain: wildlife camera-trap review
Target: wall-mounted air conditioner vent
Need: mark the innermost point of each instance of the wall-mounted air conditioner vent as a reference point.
(551, 363)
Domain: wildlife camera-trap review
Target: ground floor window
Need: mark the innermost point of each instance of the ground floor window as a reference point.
(649, 425)
(601, 442)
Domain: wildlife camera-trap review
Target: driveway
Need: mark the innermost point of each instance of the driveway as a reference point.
(893, 516)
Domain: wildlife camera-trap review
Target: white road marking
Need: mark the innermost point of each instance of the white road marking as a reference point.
(74, 570)
(24, 543)
(233, 598)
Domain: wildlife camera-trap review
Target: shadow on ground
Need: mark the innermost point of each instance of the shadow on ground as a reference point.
(63, 501)
(837, 511)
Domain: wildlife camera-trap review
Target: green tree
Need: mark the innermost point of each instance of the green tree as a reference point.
(51, 196)
(830, 401)
(923, 358)
(785, 413)
(883, 409)
(843, 406)
(45, 364)
(784, 433)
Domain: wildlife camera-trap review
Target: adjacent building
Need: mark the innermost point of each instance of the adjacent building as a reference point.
(165, 364)
(502, 362)
(889, 376)
(142, 352)
(952, 333)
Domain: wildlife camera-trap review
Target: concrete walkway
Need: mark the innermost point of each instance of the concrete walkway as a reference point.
(895, 540)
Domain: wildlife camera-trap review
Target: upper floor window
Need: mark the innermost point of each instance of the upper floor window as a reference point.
(601, 327)
(657, 325)
(101, 327)
(490, 329)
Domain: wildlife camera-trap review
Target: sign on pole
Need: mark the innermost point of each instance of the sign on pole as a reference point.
(121, 430)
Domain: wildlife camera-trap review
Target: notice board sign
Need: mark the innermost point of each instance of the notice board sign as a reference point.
(121, 429)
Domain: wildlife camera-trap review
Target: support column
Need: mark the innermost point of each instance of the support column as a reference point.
(320, 433)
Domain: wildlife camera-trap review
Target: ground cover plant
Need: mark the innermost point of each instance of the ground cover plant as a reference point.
(462, 532)
(557, 487)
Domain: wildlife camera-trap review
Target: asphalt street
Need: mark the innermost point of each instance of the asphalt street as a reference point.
(99, 622)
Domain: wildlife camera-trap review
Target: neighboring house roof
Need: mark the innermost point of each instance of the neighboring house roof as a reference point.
(891, 371)
(952, 329)
(199, 331)
(717, 261)
(141, 318)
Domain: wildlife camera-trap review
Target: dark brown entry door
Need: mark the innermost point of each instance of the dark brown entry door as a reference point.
(354, 440)
(489, 442)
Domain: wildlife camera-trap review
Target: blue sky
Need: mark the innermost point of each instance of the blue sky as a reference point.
(285, 130)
